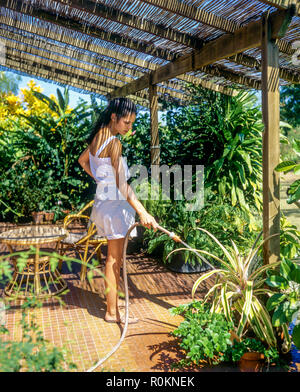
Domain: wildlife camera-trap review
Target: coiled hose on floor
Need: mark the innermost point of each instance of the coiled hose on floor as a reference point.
(175, 238)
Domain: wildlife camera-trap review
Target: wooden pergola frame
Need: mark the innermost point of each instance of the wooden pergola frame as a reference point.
(229, 56)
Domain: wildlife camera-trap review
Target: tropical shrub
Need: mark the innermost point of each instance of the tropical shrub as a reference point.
(239, 292)
(221, 218)
(225, 135)
(292, 166)
(289, 239)
(286, 303)
(239, 348)
(45, 164)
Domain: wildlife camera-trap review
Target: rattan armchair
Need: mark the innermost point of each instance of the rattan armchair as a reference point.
(84, 241)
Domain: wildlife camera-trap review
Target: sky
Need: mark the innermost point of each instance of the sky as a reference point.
(50, 88)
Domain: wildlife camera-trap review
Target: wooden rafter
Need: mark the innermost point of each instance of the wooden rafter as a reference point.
(283, 4)
(251, 62)
(227, 45)
(191, 12)
(236, 77)
(105, 75)
(66, 69)
(100, 51)
(71, 79)
(167, 33)
(208, 18)
(93, 31)
(136, 22)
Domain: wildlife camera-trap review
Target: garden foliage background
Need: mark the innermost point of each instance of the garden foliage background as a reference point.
(42, 137)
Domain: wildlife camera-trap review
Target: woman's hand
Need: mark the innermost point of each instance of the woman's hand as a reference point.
(148, 221)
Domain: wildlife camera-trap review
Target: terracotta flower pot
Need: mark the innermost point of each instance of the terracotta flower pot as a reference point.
(38, 217)
(251, 362)
(49, 216)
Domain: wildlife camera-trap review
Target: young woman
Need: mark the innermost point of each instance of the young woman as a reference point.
(115, 203)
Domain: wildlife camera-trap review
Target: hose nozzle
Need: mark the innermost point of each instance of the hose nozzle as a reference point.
(170, 234)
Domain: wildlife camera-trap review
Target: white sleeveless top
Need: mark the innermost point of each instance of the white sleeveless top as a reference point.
(111, 213)
(104, 174)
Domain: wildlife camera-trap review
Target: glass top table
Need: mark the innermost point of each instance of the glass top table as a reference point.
(37, 278)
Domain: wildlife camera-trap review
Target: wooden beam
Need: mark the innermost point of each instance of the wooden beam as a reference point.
(227, 45)
(271, 143)
(155, 147)
(287, 74)
(283, 4)
(235, 77)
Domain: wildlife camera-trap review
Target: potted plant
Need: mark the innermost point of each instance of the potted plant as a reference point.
(239, 292)
(250, 354)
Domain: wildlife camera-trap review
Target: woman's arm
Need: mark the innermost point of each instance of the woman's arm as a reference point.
(84, 161)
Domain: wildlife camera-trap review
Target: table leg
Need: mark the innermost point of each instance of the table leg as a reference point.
(37, 281)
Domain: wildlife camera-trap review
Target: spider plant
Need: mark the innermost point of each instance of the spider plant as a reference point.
(240, 291)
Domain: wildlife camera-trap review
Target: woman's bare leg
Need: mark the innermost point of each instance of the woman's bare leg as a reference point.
(112, 274)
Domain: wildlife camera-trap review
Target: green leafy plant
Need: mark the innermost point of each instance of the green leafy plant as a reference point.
(42, 166)
(292, 166)
(239, 292)
(237, 172)
(286, 303)
(204, 336)
(226, 221)
(289, 239)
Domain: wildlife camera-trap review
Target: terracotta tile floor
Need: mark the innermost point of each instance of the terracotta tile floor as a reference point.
(79, 325)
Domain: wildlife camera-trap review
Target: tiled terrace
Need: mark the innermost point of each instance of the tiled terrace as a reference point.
(79, 325)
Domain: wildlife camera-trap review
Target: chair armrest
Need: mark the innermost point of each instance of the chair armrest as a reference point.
(69, 218)
(86, 207)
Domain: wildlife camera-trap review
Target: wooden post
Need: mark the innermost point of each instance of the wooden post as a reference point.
(271, 143)
(155, 148)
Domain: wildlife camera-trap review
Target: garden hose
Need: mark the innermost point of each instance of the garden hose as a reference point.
(175, 238)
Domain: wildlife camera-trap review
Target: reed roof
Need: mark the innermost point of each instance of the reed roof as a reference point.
(98, 46)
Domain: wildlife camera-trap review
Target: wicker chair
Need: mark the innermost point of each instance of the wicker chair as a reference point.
(82, 241)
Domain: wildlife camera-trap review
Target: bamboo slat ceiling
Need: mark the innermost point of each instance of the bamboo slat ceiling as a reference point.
(99, 46)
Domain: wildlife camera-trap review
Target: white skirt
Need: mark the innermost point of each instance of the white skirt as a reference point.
(113, 218)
